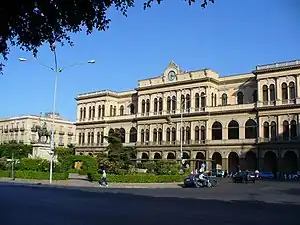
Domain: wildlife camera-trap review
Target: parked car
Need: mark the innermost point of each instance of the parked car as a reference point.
(266, 175)
(217, 173)
(243, 177)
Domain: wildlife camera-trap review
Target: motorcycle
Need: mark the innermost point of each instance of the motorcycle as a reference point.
(209, 182)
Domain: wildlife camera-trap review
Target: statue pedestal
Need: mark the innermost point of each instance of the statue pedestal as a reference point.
(42, 151)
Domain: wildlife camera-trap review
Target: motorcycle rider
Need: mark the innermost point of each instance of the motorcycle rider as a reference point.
(202, 178)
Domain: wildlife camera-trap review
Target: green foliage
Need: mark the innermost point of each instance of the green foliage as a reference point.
(30, 24)
(41, 165)
(3, 164)
(19, 150)
(161, 167)
(90, 164)
(142, 178)
(119, 158)
(36, 175)
(63, 153)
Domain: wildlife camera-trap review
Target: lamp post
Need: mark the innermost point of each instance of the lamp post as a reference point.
(56, 70)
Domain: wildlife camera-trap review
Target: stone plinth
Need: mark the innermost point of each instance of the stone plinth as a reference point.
(42, 151)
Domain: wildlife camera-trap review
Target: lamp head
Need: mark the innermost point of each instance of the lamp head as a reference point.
(22, 59)
(92, 61)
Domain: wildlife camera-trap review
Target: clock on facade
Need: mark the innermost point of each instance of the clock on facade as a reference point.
(171, 75)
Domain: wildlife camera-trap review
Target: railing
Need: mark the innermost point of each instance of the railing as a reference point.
(278, 139)
(278, 65)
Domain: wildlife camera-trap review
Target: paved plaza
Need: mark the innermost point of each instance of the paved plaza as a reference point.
(260, 203)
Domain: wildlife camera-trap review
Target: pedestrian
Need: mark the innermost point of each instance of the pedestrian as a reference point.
(104, 180)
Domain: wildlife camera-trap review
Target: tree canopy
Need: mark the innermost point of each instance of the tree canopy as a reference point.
(31, 23)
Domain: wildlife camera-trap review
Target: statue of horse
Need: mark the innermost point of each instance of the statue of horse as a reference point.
(43, 132)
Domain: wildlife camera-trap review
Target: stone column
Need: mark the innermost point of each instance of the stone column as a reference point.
(208, 162)
(225, 164)
(278, 92)
(78, 111)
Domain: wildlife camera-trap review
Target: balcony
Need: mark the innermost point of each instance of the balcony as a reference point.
(22, 129)
(61, 144)
(278, 65)
(61, 133)
(224, 108)
(16, 129)
(275, 140)
(33, 129)
(70, 133)
(6, 130)
(11, 130)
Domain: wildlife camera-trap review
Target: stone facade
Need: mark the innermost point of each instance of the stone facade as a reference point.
(22, 129)
(249, 120)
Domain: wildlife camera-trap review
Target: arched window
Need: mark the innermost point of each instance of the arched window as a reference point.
(188, 102)
(121, 110)
(168, 135)
(284, 93)
(215, 99)
(212, 99)
(224, 99)
(155, 135)
(84, 113)
(92, 137)
(98, 138)
(203, 133)
(197, 133)
(81, 114)
(160, 105)
(188, 134)
(254, 96)
(93, 112)
(197, 102)
(147, 135)
(115, 110)
(132, 109)
(122, 135)
(250, 129)
(273, 130)
(182, 133)
(174, 105)
(233, 130)
(240, 98)
(182, 102)
(266, 130)
(147, 105)
(286, 130)
(143, 106)
(133, 135)
(103, 110)
(217, 131)
(79, 139)
(155, 105)
(160, 135)
(89, 137)
(90, 112)
(292, 92)
(169, 104)
(293, 129)
(173, 134)
(99, 111)
(82, 138)
(265, 94)
(142, 136)
(272, 92)
(203, 100)
(111, 132)
(111, 110)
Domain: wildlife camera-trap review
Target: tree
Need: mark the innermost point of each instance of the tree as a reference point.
(29, 24)
(19, 150)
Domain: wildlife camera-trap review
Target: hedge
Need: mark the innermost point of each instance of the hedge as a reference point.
(90, 165)
(147, 178)
(34, 175)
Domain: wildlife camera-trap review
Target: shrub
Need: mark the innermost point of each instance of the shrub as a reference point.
(89, 166)
(36, 175)
(41, 165)
(146, 178)
(63, 153)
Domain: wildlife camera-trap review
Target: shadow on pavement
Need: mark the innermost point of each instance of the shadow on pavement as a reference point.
(291, 191)
(38, 205)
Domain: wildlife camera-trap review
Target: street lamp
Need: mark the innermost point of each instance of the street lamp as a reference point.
(57, 70)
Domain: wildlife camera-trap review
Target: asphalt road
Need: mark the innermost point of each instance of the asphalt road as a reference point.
(246, 204)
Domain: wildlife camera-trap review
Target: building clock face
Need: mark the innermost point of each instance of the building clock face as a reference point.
(171, 75)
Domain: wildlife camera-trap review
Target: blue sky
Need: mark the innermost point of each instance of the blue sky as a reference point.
(230, 36)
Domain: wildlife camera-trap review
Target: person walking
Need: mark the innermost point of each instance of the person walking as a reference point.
(104, 180)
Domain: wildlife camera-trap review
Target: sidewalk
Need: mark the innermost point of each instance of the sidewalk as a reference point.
(85, 183)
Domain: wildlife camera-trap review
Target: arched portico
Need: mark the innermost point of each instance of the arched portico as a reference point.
(290, 164)
(233, 162)
(216, 161)
(270, 162)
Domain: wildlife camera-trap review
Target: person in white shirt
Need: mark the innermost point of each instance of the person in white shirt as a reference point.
(202, 178)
